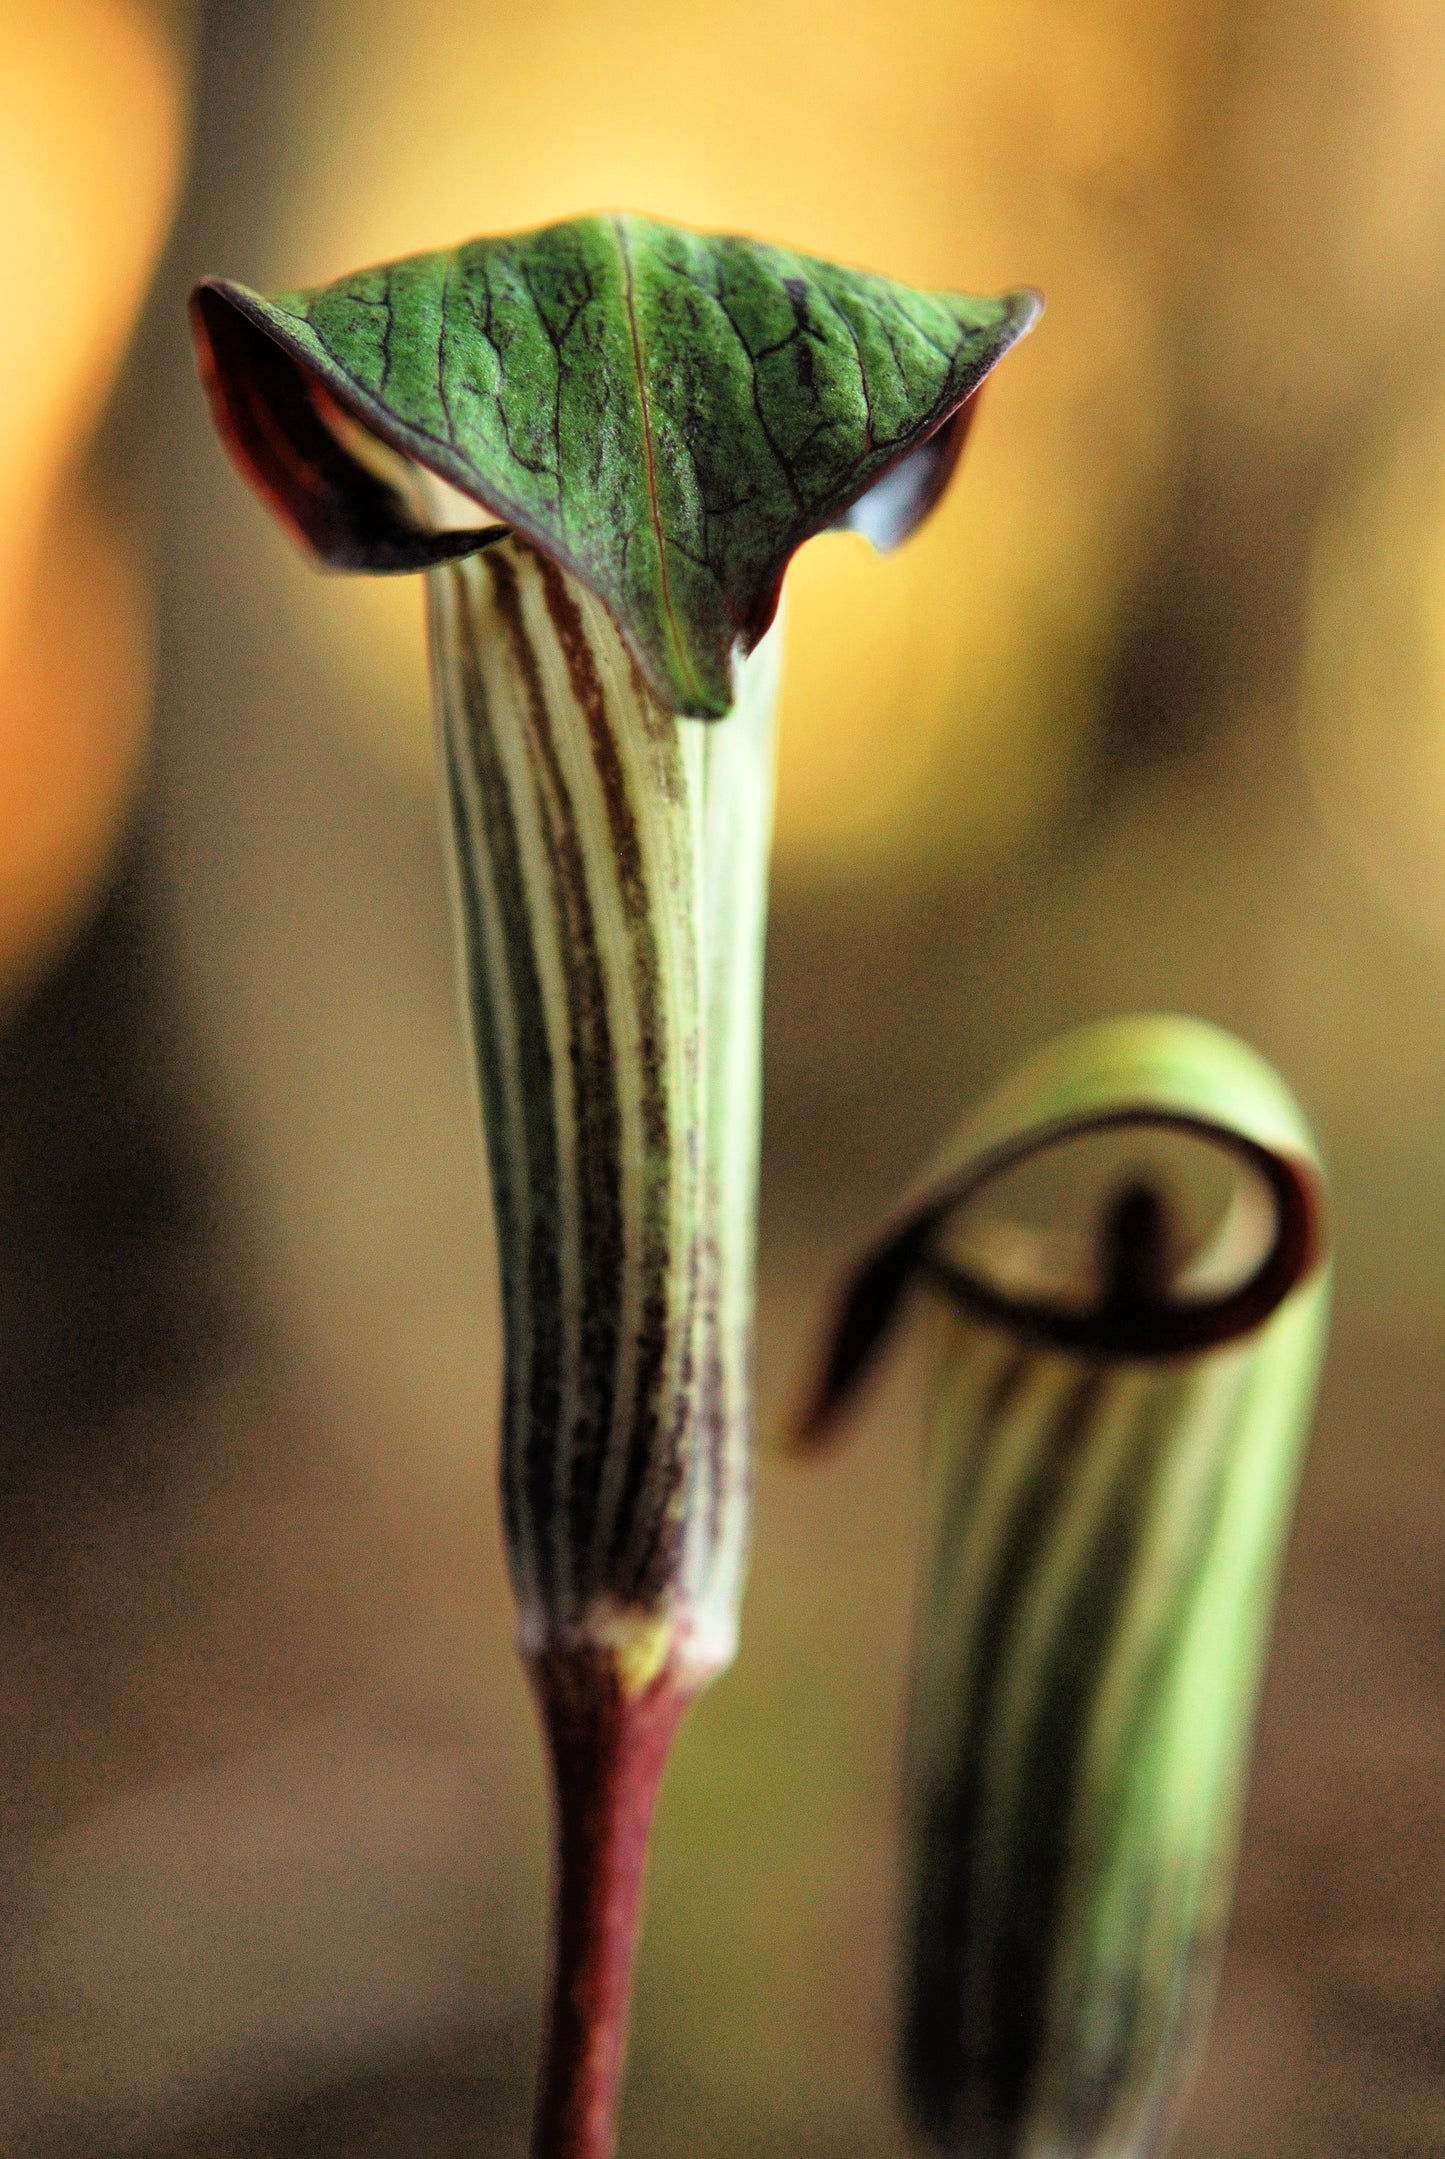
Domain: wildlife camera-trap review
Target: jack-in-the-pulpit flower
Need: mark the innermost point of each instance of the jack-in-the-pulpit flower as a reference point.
(1117, 1423)
(604, 440)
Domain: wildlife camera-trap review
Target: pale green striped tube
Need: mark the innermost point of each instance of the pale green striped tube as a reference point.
(1107, 1530)
(609, 884)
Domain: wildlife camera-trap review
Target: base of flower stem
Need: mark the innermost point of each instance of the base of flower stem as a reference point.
(608, 1747)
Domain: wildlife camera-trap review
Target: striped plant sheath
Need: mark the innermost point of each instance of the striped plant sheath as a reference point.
(1106, 1543)
(1119, 1411)
(609, 866)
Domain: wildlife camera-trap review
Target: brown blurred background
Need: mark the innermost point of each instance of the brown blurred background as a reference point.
(1152, 715)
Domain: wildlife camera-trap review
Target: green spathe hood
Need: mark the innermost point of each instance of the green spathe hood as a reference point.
(667, 414)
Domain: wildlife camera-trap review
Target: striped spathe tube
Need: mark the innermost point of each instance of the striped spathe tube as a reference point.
(609, 880)
(610, 888)
(1115, 1438)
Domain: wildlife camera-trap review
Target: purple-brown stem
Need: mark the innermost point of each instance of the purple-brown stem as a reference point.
(608, 1749)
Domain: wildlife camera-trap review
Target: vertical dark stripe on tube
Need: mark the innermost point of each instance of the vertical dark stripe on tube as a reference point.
(525, 1175)
(953, 1939)
(595, 1109)
(1034, 1875)
(647, 1071)
(504, 1143)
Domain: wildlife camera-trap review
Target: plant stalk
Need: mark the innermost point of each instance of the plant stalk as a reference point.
(608, 1747)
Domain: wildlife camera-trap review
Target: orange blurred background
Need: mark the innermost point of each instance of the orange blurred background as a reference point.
(92, 133)
(1152, 714)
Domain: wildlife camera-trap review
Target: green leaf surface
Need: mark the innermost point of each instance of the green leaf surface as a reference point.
(668, 414)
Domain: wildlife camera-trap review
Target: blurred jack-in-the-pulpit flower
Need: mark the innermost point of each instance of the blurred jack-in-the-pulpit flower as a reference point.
(1128, 1241)
(604, 441)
